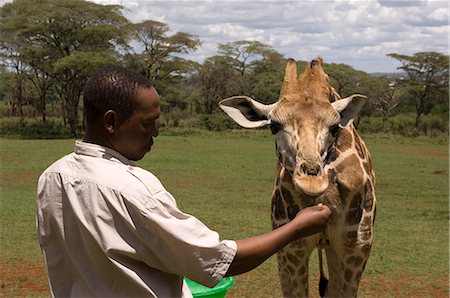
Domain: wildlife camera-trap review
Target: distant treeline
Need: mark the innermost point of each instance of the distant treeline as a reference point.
(49, 48)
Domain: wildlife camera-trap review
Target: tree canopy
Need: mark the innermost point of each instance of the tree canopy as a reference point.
(48, 49)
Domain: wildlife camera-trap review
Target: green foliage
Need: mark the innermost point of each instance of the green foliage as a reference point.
(34, 129)
(217, 122)
(403, 124)
(50, 47)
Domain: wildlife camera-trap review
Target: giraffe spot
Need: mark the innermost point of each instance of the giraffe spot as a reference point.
(350, 172)
(332, 155)
(350, 260)
(356, 201)
(367, 169)
(344, 140)
(357, 261)
(343, 191)
(351, 238)
(366, 235)
(286, 195)
(348, 275)
(278, 212)
(366, 249)
(290, 269)
(292, 212)
(299, 253)
(358, 276)
(302, 271)
(359, 147)
(368, 199)
(353, 216)
(293, 259)
(366, 223)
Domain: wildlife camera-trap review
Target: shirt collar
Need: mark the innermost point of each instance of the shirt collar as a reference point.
(95, 150)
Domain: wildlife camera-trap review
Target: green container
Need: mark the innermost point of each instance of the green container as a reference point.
(219, 291)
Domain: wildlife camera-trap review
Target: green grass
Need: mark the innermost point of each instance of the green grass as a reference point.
(226, 181)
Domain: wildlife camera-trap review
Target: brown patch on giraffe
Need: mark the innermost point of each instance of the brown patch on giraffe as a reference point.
(353, 216)
(302, 270)
(286, 177)
(367, 169)
(351, 238)
(368, 198)
(344, 140)
(366, 223)
(365, 249)
(359, 147)
(293, 259)
(332, 154)
(278, 212)
(343, 191)
(300, 253)
(348, 274)
(356, 201)
(357, 262)
(350, 172)
(290, 269)
(366, 235)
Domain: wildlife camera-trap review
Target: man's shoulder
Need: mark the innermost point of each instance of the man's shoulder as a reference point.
(127, 179)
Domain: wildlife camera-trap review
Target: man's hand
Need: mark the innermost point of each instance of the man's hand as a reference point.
(312, 220)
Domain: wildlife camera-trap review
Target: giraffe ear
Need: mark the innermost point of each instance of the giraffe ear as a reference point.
(246, 112)
(349, 108)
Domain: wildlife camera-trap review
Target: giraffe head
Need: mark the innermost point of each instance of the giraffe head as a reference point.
(304, 121)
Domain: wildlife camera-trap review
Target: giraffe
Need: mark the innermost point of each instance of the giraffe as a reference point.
(321, 159)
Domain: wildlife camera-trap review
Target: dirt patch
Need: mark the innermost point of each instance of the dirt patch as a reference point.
(23, 279)
(28, 279)
(424, 152)
(13, 178)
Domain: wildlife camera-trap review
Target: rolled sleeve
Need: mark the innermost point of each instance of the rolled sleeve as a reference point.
(178, 243)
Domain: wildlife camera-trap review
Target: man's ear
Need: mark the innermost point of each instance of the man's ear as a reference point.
(110, 121)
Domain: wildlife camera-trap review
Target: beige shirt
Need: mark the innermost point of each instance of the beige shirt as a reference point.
(108, 228)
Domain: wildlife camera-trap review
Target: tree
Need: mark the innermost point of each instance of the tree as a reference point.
(427, 75)
(242, 55)
(385, 97)
(158, 58)
(63, 41)
(216, 80)
(344, 78)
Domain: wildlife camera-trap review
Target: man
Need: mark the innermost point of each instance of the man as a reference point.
(108, 228)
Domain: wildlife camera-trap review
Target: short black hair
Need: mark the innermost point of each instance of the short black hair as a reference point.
(112, 88)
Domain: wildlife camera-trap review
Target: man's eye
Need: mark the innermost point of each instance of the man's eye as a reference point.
(275, 127)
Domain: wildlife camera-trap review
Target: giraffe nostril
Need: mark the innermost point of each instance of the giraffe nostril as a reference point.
(311, 169)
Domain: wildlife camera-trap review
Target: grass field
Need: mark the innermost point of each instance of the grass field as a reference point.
(226, 181)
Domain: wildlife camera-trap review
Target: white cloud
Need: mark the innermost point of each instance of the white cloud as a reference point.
(358, 33)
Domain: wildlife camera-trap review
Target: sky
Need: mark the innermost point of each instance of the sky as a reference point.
(359, 33)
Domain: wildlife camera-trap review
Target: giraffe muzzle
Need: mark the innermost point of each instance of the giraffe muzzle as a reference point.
(309, 178)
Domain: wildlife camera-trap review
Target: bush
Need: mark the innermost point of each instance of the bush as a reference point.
(217, 122)
(34, 129)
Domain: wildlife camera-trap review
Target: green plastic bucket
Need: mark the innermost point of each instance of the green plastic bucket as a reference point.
(219, 291)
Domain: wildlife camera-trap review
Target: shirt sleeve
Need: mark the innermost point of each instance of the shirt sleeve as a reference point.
(178, 243)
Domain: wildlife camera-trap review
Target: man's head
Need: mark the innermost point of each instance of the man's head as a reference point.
(121, 108)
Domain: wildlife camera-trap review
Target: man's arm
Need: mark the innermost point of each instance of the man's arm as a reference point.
(253, 251)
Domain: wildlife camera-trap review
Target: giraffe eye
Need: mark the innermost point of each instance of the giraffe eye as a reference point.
(275, 127)
(334, 130)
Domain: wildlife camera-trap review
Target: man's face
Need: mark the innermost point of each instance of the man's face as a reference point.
(133, 138)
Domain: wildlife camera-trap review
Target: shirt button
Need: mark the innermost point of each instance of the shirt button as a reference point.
(130, 168)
